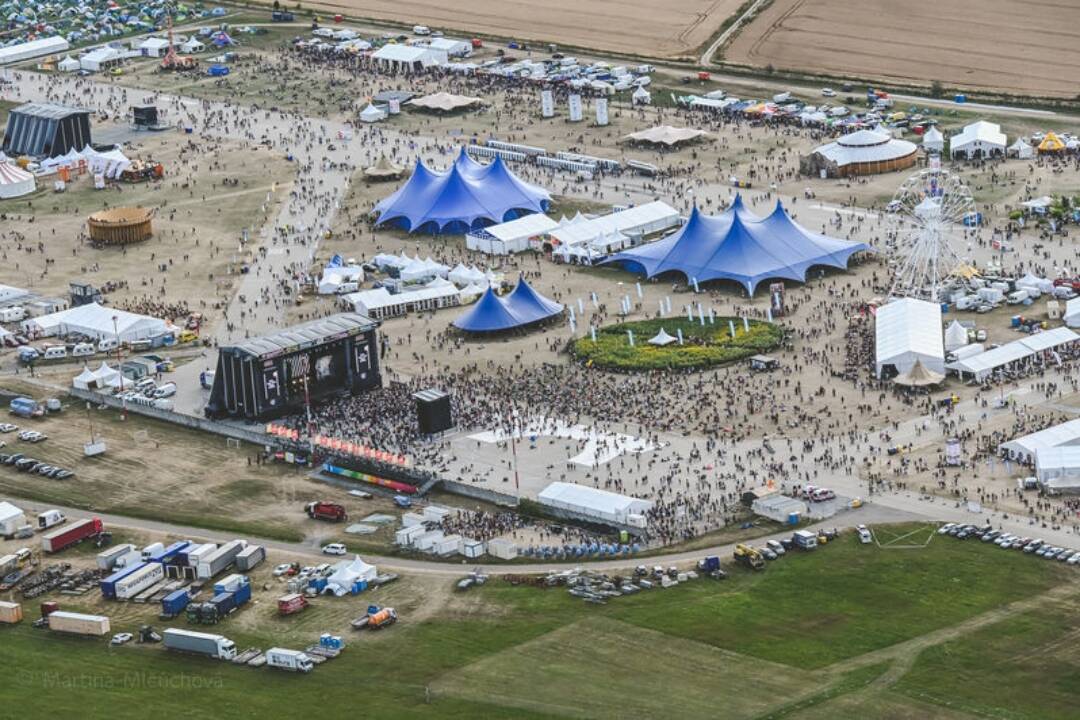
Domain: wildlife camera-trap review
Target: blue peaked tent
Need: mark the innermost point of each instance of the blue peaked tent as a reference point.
(738, 245)
(524, 306)
(467, 196)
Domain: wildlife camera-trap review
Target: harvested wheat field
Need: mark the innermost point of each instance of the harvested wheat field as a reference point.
(1030, 48)
(641, 27)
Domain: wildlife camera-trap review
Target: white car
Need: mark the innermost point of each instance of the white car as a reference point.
(360, 494)
(281, 569)
(334, 549)
(32, 436)
(828, 92)
(8, 427)
(121, 638)
(864, 534)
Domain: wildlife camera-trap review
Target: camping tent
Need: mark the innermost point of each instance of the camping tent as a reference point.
(467, 196)
(739, 246)
(524, 306)
(15, 182)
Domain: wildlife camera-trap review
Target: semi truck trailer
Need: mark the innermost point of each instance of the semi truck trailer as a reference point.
(215, 646)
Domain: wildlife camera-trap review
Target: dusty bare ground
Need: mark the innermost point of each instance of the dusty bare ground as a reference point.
(1023, 48)
(640, 27)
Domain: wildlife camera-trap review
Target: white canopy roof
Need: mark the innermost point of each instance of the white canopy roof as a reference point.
(983, 364)
(524, 227)
(865, 146)
(981, 133)
(445, 101)
(956, 335)
(662, 339)
(641, 219)
(907, 330)
(410, 54)
(1025, 447)
(593, 502)
(348, 572)
(666, 135)
(96, 321)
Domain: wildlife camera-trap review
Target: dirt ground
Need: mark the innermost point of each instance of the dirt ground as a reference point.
(637, 27)
(995, 45)
(211, 193)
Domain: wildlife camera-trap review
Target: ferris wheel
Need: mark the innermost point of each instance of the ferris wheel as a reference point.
(931, 218)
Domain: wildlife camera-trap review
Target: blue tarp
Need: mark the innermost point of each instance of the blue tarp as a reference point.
(738, 245)
(524, 306)
(465, 197)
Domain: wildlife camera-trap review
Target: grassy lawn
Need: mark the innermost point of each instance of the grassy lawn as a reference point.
(707, 649)
(1027, 666)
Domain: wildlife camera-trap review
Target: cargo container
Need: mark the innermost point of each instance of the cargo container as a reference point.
(78, 623)
(230, 583)
(166, 554)
(152, 549)
(291, 660)
(448, 545)
(194, 554)
(8, 564)
(215, 646)
(472, 548)
(11, 519)
(250, 557)
(502, 548)
(412, 520)
(436, 513)
(291, 603)
(406, 535)
(138, 580)
(10, 612)
(129, 559)
(108, 585)
(75, 532)
(804, 539)
(427, 541)
(220, 559)
(174, 603)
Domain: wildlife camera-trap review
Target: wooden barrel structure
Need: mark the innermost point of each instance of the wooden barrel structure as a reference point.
(120, 226)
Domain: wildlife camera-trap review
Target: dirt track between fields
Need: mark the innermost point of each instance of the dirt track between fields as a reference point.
(991, 45)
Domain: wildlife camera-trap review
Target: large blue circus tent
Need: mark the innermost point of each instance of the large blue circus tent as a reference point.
(524, 306)
(740, 246)
(467, 196)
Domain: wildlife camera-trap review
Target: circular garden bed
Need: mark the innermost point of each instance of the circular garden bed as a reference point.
(703, 346)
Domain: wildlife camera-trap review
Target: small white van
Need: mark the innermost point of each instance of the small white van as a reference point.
(55, 352)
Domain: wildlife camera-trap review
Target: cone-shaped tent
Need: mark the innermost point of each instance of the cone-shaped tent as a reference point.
(956, 335)
(661, 339)
(383, 170)
(738, 245)
(919, 376)
(524, 306)
(468, 195)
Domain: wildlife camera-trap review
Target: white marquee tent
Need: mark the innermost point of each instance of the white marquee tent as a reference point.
(984, 364)
(956, 335)
(407, 57)
(1025, 448)
(348, 572)
(95, 321)
(933, 140)
(979, 139)
(1058, 469)
(636, 221)
(1021, 150)
(907, 330)
(510, 237)
(594, 503)
(15, 182)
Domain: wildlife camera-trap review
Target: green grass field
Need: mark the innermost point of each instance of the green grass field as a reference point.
(780, 643)
(1027, 666)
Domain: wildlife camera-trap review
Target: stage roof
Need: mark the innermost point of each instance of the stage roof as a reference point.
(305, 335)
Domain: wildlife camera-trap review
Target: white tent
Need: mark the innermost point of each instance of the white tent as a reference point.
(1026, 447)
(154, 47)
(509, 237)
(33, 48)
(1021, 150)
(69, 64)
(334, 277)
(451, 46)
(96, 60)
(1058, 469)
(15, 182)
(933, 140)
(346, 573)
(1072, 313)
(409, 57)
(636, 221)
(192, 45)
(642, 96)
(371, 114)
(662, 339)
(594, 503)
(956, 335)
(85, 380)
(907, 330)
(380, 303)
(108, 377)
(95, 321)
(979, 139)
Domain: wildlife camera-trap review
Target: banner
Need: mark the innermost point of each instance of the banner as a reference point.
(575, 108)
(601, 111)
(547, 104)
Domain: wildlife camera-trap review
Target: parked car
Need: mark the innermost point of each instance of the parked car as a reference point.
(8, 427)
(944, 529)
(776, 547)
(121, 638)
(334, 549)
(991, 535)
